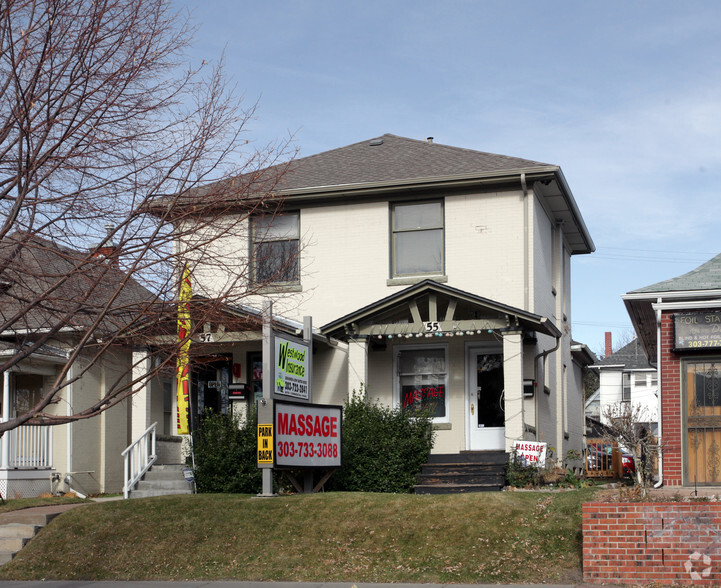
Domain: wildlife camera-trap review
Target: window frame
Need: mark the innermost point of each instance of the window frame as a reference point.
(397, 387)
(394, 273)
(626, 384)
(256, 240)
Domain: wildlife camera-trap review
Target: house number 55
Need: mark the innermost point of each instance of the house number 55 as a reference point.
(432, 326)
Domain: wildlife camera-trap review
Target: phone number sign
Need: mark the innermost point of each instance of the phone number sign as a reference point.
(292, 368)
(697, 330)
(307, 435)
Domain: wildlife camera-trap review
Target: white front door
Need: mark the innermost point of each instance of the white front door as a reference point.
(485, 407)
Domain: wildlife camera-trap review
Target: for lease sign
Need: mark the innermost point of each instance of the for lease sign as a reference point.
(307, 435)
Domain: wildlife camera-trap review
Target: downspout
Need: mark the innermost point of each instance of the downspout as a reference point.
(658, 380)
(526, 244)
(544, 355)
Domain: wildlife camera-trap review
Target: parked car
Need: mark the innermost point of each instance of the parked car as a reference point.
(600, 457)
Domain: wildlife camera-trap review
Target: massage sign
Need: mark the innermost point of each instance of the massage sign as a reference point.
(307, 435)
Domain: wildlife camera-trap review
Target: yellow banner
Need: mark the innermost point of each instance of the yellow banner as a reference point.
(182, 364)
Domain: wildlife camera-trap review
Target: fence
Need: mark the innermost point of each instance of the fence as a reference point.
(603, 459)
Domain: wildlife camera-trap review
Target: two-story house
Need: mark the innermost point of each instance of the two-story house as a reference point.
(627, 376)
(436, 277)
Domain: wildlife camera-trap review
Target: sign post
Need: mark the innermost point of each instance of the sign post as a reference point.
(265, 404)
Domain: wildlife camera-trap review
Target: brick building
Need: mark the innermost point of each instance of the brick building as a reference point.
(678, 322)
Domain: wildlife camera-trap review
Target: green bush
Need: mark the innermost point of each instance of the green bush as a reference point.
(383, 448)
(520, 474)
(225, 454)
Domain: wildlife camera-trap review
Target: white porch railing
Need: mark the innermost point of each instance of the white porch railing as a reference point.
(139, 456)
(28, 447)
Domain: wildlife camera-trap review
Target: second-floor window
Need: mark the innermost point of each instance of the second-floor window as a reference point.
(626, 387)
(417, 239)
(276, 242)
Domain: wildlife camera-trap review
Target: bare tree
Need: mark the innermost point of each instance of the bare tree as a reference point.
(627, 425)
(105, 127)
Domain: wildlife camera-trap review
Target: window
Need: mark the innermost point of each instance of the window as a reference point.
(626, 388)
(423, 380)
(276, 249)
(29, 389)
(417, 239)
(639, 380)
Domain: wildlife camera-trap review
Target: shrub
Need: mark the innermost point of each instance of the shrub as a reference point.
(383, 448)
(225, 458)
(521, 474)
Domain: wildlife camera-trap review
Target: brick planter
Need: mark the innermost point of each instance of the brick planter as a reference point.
(652, 542)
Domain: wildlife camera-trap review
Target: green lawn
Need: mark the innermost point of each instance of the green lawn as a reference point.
(469, 538)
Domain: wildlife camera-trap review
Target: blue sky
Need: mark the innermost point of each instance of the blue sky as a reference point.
(624, 95)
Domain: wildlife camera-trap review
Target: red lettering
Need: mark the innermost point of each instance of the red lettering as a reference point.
(317, 430)
(333, 426)
(292, 427)
(326, 426)
(302, 424)
(282, 423)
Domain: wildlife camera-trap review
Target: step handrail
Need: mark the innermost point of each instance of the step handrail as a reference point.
(139, 456)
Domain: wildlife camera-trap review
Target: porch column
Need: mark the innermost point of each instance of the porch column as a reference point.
(513, 386)
(140, 418)
(357, 367)
(4, 443)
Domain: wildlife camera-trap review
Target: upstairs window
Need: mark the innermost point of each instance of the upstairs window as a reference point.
(276, 242)
(626, 387)
(417, 239)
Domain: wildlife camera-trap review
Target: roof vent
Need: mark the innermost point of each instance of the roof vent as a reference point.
(376, 142)
(430, 140)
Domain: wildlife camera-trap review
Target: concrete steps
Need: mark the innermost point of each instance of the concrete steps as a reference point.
(162, 480)
(18, 527)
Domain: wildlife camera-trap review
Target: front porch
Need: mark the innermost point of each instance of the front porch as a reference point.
(26, 462)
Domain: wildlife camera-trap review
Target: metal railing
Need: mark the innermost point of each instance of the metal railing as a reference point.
(28, 447)
(139, 456)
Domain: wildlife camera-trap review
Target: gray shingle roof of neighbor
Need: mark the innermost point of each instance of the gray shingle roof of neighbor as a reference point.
(390, 158)
(705, 277)
(66, 285)
(630, 356)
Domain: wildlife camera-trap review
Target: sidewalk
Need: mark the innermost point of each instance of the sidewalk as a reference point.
(229, 584)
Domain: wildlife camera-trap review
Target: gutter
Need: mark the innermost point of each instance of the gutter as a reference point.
(543, 354)
(660, 385)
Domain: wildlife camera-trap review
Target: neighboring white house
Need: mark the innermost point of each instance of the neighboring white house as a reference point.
(435, 276)
(626, 376)
(84, 456)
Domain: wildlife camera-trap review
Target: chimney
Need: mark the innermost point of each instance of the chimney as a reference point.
(609, 346)
(109, 249)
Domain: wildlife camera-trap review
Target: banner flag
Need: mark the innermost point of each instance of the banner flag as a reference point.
(182, 364)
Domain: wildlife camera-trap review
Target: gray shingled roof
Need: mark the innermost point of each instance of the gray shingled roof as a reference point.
(32, 266)
(630, 356)
(704, 277)
(391, 158)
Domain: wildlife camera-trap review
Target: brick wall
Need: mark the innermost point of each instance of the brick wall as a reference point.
(652, 542)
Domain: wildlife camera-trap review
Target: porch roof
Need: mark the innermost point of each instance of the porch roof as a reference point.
(454, 311)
